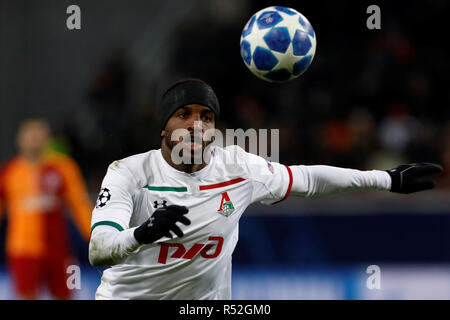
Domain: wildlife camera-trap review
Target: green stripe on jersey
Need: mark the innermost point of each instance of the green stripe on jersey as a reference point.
(107, 223)
(175, 189)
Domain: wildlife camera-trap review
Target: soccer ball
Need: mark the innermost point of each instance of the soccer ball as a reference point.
(278, 44)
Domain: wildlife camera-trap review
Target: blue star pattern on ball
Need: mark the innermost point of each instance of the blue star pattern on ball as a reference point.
(249, 26)
(278, 44)
(278, 75)
(264, 59)
(301, 43)
(306, 26)
(245, 52)
(301, 65)
(277, 39)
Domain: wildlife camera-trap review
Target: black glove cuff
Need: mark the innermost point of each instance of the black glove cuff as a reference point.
(140, 233)
(395, 180)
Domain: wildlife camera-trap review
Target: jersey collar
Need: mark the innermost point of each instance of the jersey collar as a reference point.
(167, 168)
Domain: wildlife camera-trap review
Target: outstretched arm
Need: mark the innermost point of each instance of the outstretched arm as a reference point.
(315, 181)
(273, 182)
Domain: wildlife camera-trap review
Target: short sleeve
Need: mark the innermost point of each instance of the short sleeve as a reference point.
(114, 205)
(271, 181)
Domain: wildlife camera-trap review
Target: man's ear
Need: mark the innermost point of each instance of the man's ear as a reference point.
(163, 133)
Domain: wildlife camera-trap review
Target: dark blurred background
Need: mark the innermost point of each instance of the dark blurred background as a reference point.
(371, 99)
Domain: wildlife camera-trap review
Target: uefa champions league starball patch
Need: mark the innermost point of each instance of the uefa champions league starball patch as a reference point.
(103, 198)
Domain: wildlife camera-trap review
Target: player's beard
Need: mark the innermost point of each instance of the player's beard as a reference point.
(189, 148)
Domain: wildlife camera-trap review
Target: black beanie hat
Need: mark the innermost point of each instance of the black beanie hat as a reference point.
(185, 92)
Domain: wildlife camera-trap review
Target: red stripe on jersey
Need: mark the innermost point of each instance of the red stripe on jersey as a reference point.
(289, 186)
(221, 184)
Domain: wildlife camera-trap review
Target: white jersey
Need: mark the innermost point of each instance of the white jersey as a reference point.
(197, 265)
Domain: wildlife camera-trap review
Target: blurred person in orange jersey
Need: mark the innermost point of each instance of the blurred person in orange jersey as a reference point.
(35, 185)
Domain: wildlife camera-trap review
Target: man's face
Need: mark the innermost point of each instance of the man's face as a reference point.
(33, 136)
(193, 120)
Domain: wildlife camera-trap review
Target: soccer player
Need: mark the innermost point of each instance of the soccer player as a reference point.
(168, 228)
(34, 187)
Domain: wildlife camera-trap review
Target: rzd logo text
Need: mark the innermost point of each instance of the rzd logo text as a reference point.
(184, 253)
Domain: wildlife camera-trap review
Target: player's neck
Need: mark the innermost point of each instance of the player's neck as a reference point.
(188, 168)
(31, 156)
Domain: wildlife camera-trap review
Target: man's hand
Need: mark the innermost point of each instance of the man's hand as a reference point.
(409, 178)
(161, 223)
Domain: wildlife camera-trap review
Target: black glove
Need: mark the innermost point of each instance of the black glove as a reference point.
(409, 178)
(161, 223)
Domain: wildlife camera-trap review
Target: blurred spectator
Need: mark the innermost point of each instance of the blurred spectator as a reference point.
(34, 186)
(398, 129)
